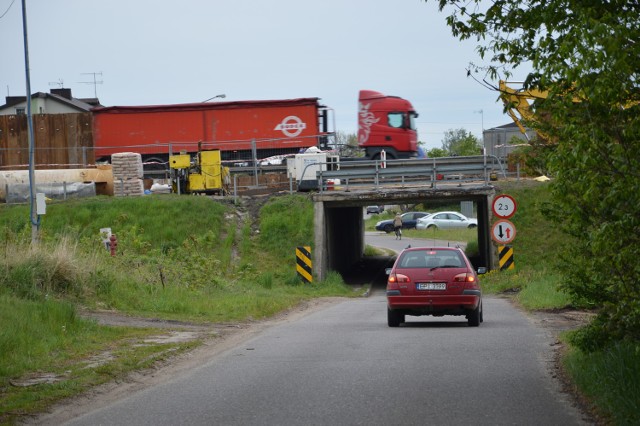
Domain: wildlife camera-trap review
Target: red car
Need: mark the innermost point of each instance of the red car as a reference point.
(433, 281)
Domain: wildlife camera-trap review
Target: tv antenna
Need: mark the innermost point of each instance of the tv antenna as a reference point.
(95, 81)
(58, 83)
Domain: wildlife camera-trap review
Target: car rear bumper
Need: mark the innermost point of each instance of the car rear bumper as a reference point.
(434, 304)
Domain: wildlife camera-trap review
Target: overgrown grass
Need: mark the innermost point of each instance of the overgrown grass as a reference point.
(611, 379)
(193, 259)
(183, 258)
(47, 336)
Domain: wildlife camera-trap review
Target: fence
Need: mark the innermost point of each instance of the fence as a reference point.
(60, 141)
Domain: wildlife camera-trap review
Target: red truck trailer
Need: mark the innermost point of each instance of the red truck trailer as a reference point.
(270, 127)
(235, 128)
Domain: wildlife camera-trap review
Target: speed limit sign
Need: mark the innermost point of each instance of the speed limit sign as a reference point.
(504, 206)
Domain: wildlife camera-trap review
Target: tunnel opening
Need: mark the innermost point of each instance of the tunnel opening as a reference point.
(340, 229)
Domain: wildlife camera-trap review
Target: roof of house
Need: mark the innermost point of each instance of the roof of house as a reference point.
(62, 96)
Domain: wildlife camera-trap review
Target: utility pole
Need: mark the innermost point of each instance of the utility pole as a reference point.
(32, 179)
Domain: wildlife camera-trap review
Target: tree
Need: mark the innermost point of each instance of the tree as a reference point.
(460, 142)
(347, 144)
(586, 54)
(436, 152)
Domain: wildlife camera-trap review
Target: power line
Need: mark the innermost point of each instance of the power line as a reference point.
(8, 9)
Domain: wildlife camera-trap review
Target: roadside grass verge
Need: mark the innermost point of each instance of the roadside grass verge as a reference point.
(181, 258)
(610, 379)
(47, 351)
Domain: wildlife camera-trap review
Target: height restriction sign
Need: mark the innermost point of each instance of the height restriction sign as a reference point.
(503, 232)
(504, 206)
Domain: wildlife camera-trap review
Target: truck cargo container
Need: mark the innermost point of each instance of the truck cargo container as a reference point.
(235, 128)
(252, 130)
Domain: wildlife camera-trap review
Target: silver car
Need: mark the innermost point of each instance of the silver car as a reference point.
(445, 220)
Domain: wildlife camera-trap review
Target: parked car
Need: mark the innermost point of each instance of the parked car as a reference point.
(433, 281)
(446, 220)
(375, 209)
(408, 221)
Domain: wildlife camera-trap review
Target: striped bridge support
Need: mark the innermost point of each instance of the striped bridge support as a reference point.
(304, 267)
(505, 258)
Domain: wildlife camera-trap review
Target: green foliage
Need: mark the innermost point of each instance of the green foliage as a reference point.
(436, 153)
(286, 223)
(610, 378)
(533, 158)
(460, 142)
(46, 270)
(586, 55)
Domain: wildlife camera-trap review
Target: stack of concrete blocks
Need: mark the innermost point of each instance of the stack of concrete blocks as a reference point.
(127, 174)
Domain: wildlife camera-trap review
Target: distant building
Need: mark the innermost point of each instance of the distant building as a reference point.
(498, 140)
(59, 101)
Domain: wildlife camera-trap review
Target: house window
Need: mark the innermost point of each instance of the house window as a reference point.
(19, 111)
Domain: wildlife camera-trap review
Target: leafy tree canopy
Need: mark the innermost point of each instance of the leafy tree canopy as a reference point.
(586, 55)
(436, 152)
(460, 142)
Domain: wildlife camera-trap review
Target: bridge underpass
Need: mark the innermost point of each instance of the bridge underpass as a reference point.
(339, 224)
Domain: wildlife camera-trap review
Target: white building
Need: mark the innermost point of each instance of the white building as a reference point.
(59, 101)
(498, 140)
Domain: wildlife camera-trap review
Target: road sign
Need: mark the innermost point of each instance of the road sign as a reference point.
(304, 266)
(504, 206)
(505, 258)
(503, 232)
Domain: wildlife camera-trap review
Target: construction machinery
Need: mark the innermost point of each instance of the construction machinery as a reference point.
(519, 105)
(201, 174)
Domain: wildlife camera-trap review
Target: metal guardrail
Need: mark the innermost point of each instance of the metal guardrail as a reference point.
(417, 172)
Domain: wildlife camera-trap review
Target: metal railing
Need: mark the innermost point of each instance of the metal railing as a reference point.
(418, 172)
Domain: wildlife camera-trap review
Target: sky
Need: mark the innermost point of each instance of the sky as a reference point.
(150, 52)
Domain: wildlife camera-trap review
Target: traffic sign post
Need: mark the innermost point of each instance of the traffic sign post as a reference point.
(503, 231)
(504, 206)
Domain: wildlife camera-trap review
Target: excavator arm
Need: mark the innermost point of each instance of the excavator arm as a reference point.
(519, 104)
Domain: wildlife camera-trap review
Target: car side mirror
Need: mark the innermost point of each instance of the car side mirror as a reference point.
(387, 271)
(482, 270)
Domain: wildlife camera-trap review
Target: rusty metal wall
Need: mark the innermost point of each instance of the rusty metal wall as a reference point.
(61, 141)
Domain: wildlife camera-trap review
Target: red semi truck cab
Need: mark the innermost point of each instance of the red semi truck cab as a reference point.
(386, 123)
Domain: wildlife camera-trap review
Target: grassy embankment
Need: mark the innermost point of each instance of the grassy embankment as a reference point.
(192, 259)
(610, 379)
(179, 258)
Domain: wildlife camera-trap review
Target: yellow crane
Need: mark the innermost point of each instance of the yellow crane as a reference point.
(519, 104)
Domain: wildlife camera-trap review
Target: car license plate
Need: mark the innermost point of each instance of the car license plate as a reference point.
(432, 286)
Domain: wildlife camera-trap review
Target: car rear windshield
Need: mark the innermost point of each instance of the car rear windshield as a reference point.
(431, 259)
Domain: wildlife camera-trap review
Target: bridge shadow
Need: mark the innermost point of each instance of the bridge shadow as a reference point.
(368, 270)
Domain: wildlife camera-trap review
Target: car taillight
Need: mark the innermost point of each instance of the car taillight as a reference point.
(468, 279)
(464, 278)
(395, 279)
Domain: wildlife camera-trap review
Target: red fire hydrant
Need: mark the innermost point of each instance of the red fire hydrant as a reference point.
(113, 244)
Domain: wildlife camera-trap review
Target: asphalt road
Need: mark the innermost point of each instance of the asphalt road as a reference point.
(343, 366)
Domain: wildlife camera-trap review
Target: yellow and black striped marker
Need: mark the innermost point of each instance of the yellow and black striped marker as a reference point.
(505, 258)
(304, 267)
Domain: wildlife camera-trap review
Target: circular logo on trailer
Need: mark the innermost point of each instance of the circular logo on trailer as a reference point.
(291, 126)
